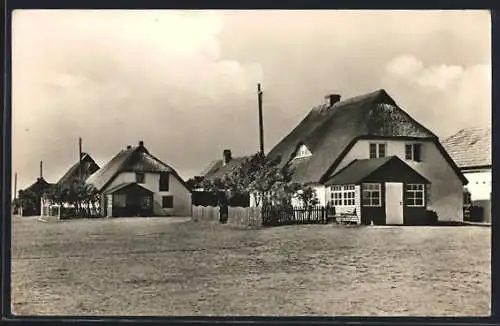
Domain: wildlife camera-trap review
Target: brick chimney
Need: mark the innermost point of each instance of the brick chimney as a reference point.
(129, 146)
(226, 156)
(141, 143)
(331, 99)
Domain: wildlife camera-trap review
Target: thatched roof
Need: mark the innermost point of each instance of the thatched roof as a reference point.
(133, 159)
(470, 148)
(330, 132)
(125, 185)
(39, 186)
(88, 167)
(217, 170)
(366, 170)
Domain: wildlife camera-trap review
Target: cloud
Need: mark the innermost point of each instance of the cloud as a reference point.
(443, 97)
(114, 79)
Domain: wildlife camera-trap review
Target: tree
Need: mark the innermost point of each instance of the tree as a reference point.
(194, 183)
(80, 195)
(306, 195)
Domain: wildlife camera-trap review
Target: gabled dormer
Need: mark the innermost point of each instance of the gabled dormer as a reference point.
(302, 152)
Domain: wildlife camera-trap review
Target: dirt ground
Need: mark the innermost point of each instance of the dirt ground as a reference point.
(158, 267)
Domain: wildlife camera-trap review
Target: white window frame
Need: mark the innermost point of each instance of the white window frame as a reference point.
(303, 151)
(343, 195)
(336, 195)
(367, 190)
(349, 195)
(378, 145)
(412, 154)
(414, 188)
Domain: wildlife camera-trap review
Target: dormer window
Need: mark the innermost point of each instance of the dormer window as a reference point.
(413, 152)
(378, 150)
(303, 151)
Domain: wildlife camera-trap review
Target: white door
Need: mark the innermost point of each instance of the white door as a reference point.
(394, 203)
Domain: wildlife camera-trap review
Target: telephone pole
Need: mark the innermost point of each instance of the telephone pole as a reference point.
(80, 157)
(261, 123)
(15, 185)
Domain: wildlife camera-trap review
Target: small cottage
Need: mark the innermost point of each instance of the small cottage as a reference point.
(79, 171)
(136, 183)
(220, 169)
(470, 149)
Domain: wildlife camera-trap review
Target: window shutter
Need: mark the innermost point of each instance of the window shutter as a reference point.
(373, 150)
(408, 151)
(417, 152)
(381, 150)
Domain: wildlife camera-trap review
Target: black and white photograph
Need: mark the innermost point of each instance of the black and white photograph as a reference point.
(251, 163)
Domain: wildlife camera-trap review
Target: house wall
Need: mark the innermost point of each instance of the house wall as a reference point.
(446, 197)
(348, 208)
(374, 213)
(479, 184)
(182, 196)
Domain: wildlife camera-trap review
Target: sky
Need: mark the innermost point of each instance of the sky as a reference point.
(184, 82)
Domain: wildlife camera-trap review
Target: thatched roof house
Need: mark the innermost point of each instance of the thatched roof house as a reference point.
(330, 131)
(134, 182)
(218, 169)
(81, 170)
(337, 143)
(36, 192)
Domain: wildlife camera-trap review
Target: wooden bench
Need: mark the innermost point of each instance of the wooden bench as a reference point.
(348, 217)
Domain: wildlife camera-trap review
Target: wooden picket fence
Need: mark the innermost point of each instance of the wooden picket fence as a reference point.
(269, 216)
(272, 216)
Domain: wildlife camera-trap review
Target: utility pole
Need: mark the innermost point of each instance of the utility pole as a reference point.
(41, 169)
(80, 157)
(261, 123)
(15, 186)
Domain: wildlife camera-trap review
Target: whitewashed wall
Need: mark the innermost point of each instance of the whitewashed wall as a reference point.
(479, 184)
(446, 195)
(182, 196)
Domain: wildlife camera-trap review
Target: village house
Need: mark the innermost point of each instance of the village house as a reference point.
(470, 148)
(79, 171)
(135, 183)
(365, 156)
(220, 169)
(32, 196)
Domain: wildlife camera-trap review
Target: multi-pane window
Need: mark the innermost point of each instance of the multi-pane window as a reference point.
(336, 196)
(413, 152)
(167, 202)
(349, 195)
(415, 195)
(139, 177)
(164, 181)
(378, 150)
(342, 195)
(371, 194)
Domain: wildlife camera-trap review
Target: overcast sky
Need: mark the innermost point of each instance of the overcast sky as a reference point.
(185, 82)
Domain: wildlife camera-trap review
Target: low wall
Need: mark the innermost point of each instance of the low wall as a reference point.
(205, 213)
(237, 216)
(245, 216)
